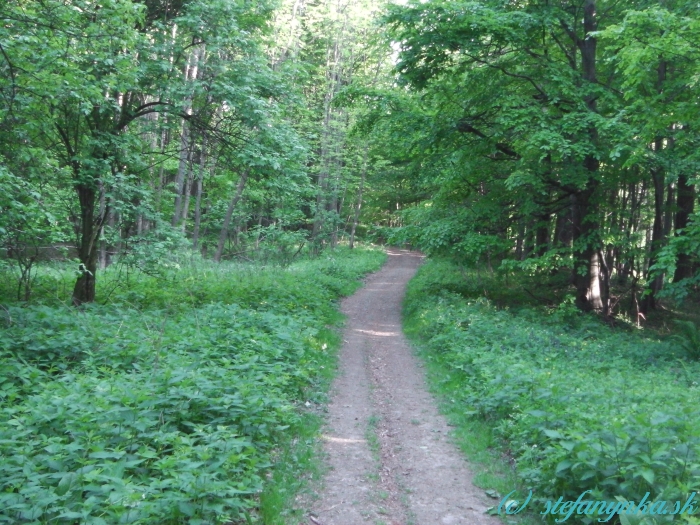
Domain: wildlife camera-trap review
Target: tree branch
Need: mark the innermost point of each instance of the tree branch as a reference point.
(464, 127)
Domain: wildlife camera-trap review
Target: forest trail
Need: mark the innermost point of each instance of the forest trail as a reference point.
(390, 457)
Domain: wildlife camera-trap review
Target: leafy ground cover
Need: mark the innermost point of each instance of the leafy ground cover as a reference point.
(574, 404)
(170, 402)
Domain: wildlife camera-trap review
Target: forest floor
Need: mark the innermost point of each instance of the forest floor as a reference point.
(390, 456)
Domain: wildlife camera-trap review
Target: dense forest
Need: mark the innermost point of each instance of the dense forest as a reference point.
(567, 130)
(532, 136)
(185, 180)
(132, 129)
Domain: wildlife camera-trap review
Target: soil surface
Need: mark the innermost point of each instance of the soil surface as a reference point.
(389, 451)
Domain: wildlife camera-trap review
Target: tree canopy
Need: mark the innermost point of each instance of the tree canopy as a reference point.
(538, 135)
(561, 134)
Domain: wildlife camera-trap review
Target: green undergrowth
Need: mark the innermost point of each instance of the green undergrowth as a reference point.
(295, 465)
(573, 404)
(186, 398)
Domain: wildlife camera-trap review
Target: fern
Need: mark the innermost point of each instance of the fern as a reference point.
(688, 338)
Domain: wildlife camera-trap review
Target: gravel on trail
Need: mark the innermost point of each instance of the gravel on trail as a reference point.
(390, 457)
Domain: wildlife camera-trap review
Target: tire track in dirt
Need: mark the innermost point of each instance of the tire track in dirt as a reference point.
(391, 460)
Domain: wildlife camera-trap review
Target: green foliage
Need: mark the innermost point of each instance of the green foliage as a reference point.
(276, 244)
(107, 105)
(689, 338)
(547, 132)
(578, 405)
(169, 408)
(154, 251)
(27, 224)
(688, 242)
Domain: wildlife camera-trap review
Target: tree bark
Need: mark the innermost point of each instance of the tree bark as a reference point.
(562, 228)
(542, 234)
(591, 290)
(102, 255)
(191, 71)
(164, 141)
(229, 213)
(685, 202)
(356, 218)
(186, 201)
(181, 172)
(658, 235)
(198, 198)
(90, 226)
(657, 238)
(528, 240)
(519, 239)
(668, 209)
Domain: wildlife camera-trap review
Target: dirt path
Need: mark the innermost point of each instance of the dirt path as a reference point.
(390, 457)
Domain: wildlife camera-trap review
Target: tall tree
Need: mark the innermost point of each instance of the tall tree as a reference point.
(527, 80)
(86, 78)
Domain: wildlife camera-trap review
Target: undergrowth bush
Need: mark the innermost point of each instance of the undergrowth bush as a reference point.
(576, 404)
(165, 405)
(688, 338)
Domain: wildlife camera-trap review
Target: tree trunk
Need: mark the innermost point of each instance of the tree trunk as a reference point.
(164, 141)
(321, 196)
(257, 234)
(542, 234)
(84, 289)
(181, 172)
(356, 218)
(186, 202)
(668, 210)
(229, 213)
(563, 232)
(685, 202)
(198, 199)
(112, 219)
(520, 239)
(591, 290)
(529, 239)
(657, 238)
(102, 255)
(191, 71)
(335, 62)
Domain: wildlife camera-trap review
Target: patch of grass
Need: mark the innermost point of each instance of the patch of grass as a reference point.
(371, 435)
(373, 477)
